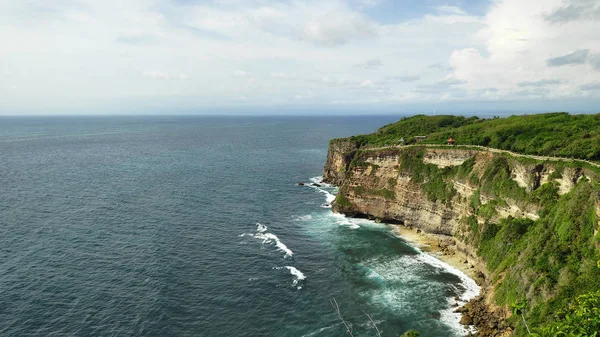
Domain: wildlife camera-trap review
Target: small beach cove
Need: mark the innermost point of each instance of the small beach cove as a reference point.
(433, 249)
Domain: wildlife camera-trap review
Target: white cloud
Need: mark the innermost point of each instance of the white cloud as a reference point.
(159, 75)
(279, 75)
(453, 10)
(335, 28)
(522, 46)
(366, 83)
(240, 73)
(371, 64)
(78, 53)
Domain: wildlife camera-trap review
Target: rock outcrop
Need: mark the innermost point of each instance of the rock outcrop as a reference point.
(373, 184)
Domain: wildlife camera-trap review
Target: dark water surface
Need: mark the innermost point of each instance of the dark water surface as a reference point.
(147, 226)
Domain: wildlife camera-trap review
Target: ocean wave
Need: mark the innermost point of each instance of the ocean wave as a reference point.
(397, 270)
(343, 220)
(261, 228)
(329, 197)
(321, 330)
(468, 289)
(298, 275)
(319, 180)
(267, 237)
(471, 291)
(405, 269)
(270, 238)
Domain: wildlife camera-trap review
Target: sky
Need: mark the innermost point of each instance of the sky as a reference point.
(299, 56)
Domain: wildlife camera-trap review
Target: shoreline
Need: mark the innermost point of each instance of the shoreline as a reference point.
(438, 246)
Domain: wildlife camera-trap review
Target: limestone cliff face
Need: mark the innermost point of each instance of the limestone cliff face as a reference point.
(373, 184)
(339, 156)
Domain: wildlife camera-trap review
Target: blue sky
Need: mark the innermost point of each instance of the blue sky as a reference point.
(299, 56)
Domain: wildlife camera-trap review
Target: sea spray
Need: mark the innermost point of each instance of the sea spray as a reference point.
(298, 275)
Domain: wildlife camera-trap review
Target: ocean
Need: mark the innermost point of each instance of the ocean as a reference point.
(196, 226)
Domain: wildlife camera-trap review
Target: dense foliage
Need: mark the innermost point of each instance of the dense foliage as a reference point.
(543, 263)
(550, 134)
(411, 333)
(582, 318)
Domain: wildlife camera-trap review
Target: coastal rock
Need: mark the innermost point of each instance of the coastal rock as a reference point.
(339, 156)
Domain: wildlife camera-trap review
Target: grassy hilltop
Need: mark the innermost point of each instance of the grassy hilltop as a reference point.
(553, 134)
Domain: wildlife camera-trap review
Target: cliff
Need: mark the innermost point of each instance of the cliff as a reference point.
(501, 210)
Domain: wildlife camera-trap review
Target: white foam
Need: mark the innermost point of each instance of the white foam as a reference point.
(342, 220)
(448, 316)
(329, 197)
(319, 180)
(266, 237)
(472, 290)
(304, 217)
(270, 238)
(298, 275)
(452, 319)
(260, 228)
(321, 330)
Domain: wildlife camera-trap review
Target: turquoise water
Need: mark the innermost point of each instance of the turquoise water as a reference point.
(195, 226)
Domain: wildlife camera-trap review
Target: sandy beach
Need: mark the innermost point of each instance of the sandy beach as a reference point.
(433, 244)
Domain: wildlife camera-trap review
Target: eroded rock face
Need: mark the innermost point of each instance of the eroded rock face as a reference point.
(410, 205)
(570, 177)
(378, 188)
(339, 156)
(447, 157)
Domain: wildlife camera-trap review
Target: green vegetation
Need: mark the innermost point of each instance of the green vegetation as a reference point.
(544, 263)
(384, 192)
(552, 134)
(496, 180)
(411, 333)
(582, 318)
(547, 262)
(434, 180)
(341, 200)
